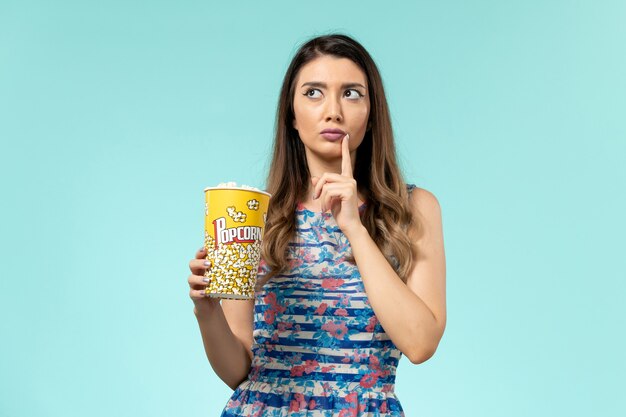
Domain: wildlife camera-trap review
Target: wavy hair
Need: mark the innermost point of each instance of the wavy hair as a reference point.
(387, 215)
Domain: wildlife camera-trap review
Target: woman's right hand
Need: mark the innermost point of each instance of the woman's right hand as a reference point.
(197, 286)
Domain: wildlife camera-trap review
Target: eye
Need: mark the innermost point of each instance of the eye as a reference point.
(308, 92)
(356, 94)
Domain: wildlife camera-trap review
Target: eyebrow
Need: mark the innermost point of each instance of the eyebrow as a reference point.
(323, 85)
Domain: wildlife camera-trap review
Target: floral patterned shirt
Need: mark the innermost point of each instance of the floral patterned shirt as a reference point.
(318, 348)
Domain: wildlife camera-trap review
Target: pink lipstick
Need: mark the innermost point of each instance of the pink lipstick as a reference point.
(332, 134)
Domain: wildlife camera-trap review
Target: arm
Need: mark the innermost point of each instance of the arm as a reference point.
(412, 314)
(227, 337)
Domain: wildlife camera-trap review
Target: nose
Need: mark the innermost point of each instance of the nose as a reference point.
(333, 110)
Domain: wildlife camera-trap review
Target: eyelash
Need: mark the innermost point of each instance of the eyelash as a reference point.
(351, 89)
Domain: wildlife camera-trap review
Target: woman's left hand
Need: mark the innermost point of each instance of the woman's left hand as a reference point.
(339, 193)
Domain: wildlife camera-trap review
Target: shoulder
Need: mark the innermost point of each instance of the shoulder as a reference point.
(422, 200)
(426, 213)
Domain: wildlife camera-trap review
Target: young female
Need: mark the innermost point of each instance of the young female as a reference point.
(352, 274)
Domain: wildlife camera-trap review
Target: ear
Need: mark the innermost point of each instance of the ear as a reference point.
(295, 124)
(369, 125)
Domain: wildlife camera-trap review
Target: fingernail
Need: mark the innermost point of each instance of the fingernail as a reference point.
(207, 263)
(206, 279)
(201, 249)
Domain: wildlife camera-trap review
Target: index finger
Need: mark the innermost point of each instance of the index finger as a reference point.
(201, 253)
(346, 162)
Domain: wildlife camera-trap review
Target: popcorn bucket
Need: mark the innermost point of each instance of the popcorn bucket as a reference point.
(234, 223)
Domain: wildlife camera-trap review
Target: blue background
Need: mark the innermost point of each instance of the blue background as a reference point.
(115, 115)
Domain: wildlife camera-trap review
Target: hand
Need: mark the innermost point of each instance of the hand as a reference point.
(339, 192)
(203, 304)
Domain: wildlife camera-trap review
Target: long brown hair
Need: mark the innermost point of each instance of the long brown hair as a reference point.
(387, 215)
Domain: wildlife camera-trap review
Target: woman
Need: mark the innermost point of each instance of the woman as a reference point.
(353, 268)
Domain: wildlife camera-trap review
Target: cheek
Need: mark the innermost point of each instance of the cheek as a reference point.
(361, 115)
(306, 118)
(299, 110)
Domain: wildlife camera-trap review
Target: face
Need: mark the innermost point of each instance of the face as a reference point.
(330, 92)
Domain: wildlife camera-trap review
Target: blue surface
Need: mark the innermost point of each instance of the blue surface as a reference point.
(115, 115)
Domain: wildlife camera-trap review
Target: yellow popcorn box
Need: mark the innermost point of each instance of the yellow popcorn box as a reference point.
(234, 222)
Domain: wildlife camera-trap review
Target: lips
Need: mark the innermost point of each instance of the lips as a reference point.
(333, 131)
(332, 134)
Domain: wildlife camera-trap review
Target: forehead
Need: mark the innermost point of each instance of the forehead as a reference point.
(331, 70)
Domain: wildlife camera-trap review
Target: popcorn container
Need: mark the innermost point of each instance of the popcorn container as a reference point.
(234, 223)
